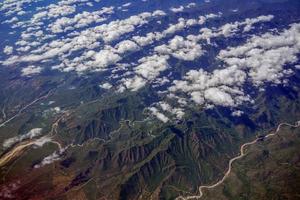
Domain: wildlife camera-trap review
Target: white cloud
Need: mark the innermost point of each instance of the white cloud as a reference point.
(265, 56)
(198, 97)
(151, 66)
(181, 48)
(261, 59)
(8, 50)
(85, 40)
(55, 156)
(80, 20)
(31, 134)
(220, 87)
(106, 86)
(43, 140)
(30, 70)
(237, 113)
(60, 10)
(178, 112)
(105, 58)
(178, 9)
(159, 115)
(218, 97)
(92, 46)
(231, 28)
(126, 46)
(134, 83)
(48, 160)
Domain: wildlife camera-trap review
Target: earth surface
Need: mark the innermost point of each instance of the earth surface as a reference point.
(149, 99)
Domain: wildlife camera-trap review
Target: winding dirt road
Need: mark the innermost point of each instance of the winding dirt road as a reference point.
(241, 155)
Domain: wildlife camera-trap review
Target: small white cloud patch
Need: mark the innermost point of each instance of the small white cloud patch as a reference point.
(31, 134)
(31, 70)
(8, 50)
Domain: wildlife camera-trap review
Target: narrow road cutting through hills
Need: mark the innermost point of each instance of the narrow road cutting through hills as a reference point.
(24, 108)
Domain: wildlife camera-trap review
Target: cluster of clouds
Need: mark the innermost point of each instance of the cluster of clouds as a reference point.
(221, 87)
(31, 134)
(149, 68)
(37, 46)
(80, 20)
(46, 23)
(229, 29)
(183, 48)
(15, 7)
(262, 59)
(90, 39)
(90, 44)
(182, 24)
(165, 112)
(87, 40)
(182, 8)
(248, 23)
(55, 11)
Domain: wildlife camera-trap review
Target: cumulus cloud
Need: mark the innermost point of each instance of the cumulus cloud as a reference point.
(42, 141)
(261, 59)
(31, 70)
(164, 111)
(265, 56)
(159, 115)
(133, 84)
(151, 66)
(89, 44)
(48, 160)
(85, 41)
(218, 97)
(105, 58)
(148, 69)
(237, 113)
(178, 9)
(55, 156)
(231, 28)
(172, 29)
(197, 97)
(80, 20)
(178, 112)
(126, 46)
(8, 50)
(220, 87)
(181, 48)
(228, 29)
(181, 8)
(106, 86)
(31, 134)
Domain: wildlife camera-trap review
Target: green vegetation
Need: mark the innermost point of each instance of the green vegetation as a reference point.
(270, 170)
